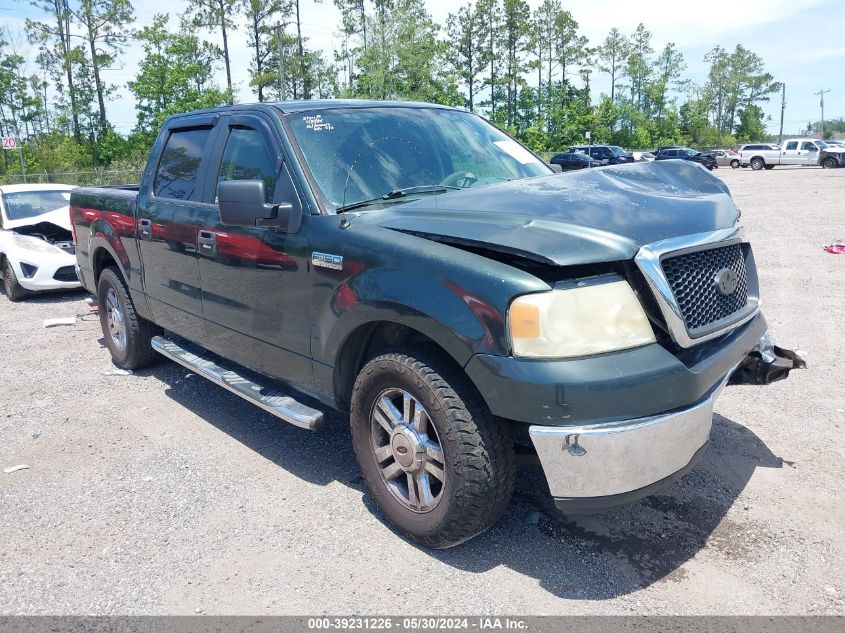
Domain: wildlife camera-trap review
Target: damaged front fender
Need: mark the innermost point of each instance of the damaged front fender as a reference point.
(766, 363)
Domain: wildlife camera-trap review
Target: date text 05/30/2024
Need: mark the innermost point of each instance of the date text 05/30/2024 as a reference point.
(418, 623)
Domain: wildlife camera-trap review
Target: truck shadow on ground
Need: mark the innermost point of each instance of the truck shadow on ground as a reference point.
(591, 557)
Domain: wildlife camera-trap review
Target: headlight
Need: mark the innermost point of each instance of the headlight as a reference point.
(578, 321)
(34, 244)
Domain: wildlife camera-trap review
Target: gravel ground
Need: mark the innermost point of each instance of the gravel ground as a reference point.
(161, 493)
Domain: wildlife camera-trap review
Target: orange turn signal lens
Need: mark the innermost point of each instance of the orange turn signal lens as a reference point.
(524, 321)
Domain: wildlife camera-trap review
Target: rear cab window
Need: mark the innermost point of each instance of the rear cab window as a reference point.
(178, 168)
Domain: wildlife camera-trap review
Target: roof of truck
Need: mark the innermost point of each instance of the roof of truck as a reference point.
(327, 104)
(287, 107)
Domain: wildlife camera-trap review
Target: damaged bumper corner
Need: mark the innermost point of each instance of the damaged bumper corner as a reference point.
(766, 363)
(596, 467)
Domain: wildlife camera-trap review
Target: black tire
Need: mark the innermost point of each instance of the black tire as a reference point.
(770, 166)
(830, 163)
(14, 291)
(757, 164)
(136, 351)
(734, 164)
(477, 452)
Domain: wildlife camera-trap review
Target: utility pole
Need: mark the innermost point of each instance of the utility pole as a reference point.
(782, 110)
(821, 94)
(279, 32)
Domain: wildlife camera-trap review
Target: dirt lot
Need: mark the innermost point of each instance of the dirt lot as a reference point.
(161, 493)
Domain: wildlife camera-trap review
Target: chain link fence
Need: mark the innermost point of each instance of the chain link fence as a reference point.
(95, 177)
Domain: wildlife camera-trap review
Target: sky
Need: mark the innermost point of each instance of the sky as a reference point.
(801, 41)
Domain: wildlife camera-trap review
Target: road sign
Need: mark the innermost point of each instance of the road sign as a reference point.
(9, 142)
(589, 135)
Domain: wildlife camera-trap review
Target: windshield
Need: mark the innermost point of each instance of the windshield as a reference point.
(617, 151)
(357, 154)
(28, 204)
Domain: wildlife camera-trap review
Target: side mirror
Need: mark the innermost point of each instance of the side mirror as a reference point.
(556, 168)
(244, 203)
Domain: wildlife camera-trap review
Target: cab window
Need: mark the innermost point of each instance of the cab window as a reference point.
(808, 145)
(178, 169)
(792, 145)
(248, 157)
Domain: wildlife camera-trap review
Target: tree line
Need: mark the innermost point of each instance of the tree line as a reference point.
(530, 72)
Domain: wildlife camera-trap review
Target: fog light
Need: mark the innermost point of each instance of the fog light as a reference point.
(28, 270)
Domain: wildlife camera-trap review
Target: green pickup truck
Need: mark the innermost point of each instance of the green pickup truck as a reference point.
(414, 266)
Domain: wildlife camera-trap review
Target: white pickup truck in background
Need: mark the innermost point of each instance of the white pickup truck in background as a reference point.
(797, 151)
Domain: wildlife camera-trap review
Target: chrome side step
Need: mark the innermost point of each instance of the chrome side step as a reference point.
(271, 400)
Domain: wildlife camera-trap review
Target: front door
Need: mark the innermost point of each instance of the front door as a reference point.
(810, 153)
(167, 228)
(255, 292)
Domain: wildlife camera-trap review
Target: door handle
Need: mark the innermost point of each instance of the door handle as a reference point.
(145, 228)
(206, 242)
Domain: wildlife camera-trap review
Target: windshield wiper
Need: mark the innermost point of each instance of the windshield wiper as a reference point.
(397, 194)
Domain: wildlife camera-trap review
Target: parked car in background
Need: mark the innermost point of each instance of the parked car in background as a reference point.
(663, 148)
(835, 143)
(569, 161)
(642, 156)
(726, 158)
(795, 151)
(832, 155)
(685, 153)
(610, 154)
(36, 244)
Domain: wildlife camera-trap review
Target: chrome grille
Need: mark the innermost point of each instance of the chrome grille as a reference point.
(691, 278)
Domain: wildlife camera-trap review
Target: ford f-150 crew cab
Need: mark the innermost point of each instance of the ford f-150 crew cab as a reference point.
(416, 267)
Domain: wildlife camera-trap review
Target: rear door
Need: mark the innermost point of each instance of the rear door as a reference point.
(168, 207)
(790, 153)
(255, 286)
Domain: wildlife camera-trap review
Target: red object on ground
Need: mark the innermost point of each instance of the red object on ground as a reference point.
(837, 248)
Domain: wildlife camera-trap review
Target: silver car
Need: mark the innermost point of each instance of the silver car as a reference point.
(725, 157)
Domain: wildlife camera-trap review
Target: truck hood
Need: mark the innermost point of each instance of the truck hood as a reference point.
(597, 215)
(60, 217)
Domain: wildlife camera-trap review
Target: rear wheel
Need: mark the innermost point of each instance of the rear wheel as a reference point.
(829, 163)
(127, 335)
(734, 164)
(757, 164)
(437, 463)
(14, 291)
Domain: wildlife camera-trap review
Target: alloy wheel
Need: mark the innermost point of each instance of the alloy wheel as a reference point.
(407, 450)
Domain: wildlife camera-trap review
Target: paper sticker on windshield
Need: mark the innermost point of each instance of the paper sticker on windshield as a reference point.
(315, 122)
(517, 151)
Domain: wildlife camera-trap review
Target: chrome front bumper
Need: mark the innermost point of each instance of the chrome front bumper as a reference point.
(592, 468)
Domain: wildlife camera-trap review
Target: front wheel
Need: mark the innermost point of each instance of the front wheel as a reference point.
(14, 291)
(734, 164)
(437, 463)
(829, 163)
(126, 334)
(757, 164)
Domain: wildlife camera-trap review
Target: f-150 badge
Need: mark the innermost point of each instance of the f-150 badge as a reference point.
(327, 260)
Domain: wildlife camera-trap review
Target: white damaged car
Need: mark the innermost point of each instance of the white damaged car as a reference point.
(36, 243)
